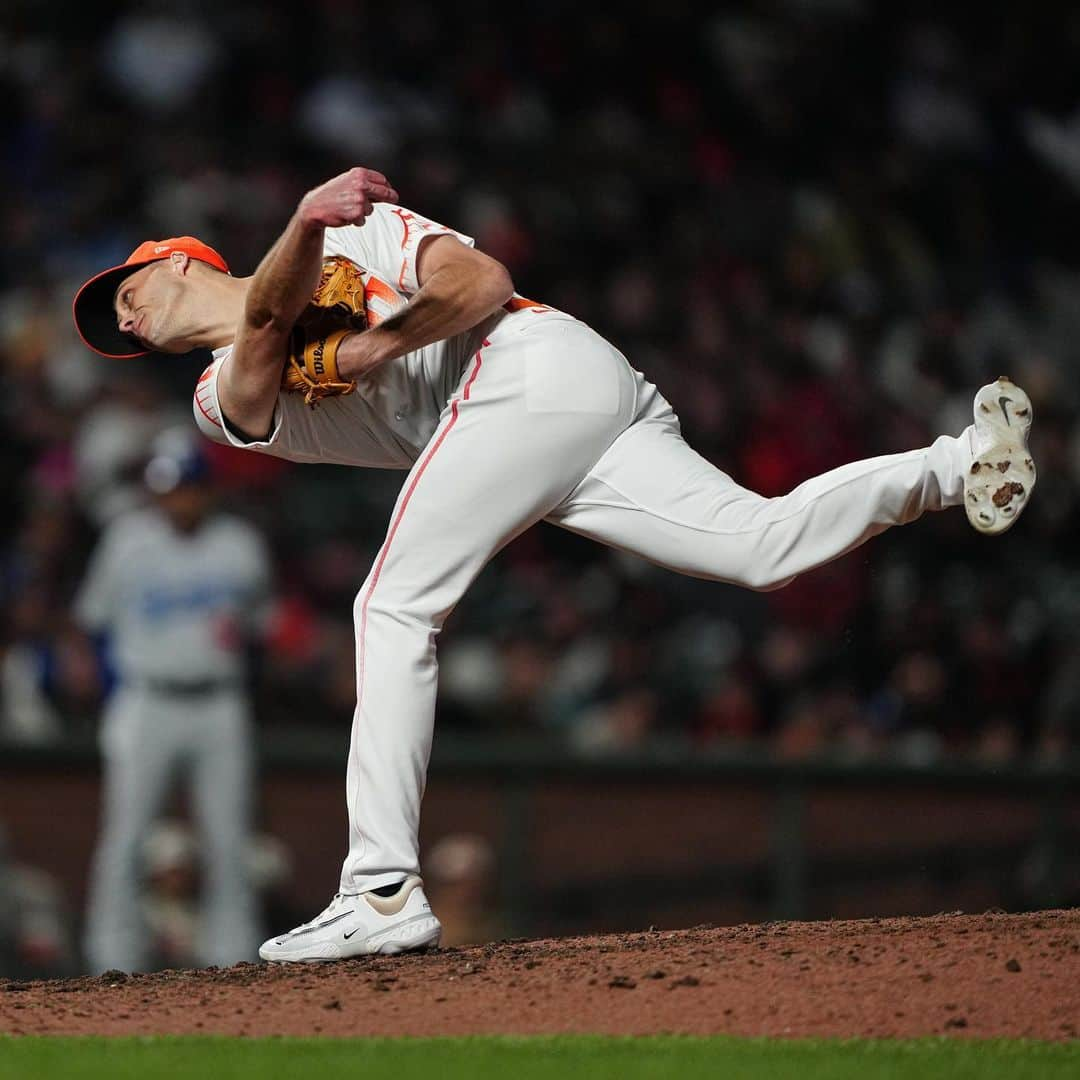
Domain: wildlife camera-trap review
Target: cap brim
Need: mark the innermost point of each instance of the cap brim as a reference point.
(95, 316)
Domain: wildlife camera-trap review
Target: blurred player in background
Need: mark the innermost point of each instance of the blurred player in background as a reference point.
(370, 335)
(178, 589)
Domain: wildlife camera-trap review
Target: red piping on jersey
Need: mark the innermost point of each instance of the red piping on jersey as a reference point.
(401, 513)
(198, 400)
(202, 409)
(405, 219)
(404, 240)
(424, 226)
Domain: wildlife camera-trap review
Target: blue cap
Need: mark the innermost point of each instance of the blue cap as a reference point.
(176, 459)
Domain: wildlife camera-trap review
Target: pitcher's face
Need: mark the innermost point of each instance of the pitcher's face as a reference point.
(156, 306)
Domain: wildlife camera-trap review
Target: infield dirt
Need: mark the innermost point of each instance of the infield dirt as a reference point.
(976, 976)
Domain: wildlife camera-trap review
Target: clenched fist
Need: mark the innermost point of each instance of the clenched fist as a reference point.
(347, 199)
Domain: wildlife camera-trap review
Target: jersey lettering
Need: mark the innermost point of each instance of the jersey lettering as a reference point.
(158, 603)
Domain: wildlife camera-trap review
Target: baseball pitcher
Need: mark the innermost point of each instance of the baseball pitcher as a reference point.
(370, 335)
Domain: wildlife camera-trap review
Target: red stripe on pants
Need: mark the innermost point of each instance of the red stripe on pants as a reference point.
(397, 521)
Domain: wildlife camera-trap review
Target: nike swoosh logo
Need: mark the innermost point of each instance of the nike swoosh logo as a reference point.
(349, 934)
(1003, 401)
(321, 926)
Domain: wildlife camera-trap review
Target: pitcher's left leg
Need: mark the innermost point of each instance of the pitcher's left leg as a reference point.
(512, 443)
(653, 495)
(508, 450)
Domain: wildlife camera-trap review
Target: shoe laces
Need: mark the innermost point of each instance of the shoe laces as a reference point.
(328, 912)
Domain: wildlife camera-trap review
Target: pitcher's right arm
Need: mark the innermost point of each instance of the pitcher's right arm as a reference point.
(283, 284)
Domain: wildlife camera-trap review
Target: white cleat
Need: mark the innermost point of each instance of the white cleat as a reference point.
(361, 925)
(1002, 474)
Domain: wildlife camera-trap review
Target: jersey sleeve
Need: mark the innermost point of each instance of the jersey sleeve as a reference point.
(389, 242)
(214, 425)
(205, 406)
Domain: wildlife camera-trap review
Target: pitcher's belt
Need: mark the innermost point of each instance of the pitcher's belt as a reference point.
(519, 303)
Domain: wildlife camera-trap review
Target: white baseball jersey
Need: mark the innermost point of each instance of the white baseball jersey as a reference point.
(396, 408)
(176, 606)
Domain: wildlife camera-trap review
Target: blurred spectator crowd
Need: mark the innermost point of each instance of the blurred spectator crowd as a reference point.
(817, 225)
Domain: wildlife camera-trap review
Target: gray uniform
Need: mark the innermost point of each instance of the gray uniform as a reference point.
(177, 609)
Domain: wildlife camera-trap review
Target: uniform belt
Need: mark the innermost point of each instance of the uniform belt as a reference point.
(186, 688)
(519, 303)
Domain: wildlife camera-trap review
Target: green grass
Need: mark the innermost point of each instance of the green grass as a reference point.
(563, 1057)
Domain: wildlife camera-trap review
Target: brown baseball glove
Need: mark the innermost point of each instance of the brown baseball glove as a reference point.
(337, 309)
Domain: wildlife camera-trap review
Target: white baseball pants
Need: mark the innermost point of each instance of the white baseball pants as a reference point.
(550, 422)
(147, 739)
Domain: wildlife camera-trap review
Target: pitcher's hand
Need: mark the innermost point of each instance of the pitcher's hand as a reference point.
(346, 199)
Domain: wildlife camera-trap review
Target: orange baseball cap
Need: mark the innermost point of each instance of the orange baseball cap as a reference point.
(93, 311)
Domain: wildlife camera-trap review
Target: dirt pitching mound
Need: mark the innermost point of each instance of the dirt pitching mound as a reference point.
(967, 975)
